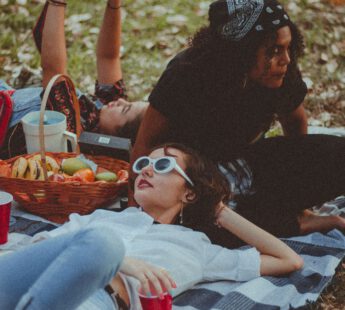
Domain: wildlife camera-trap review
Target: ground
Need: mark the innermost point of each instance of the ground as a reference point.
(153, 31)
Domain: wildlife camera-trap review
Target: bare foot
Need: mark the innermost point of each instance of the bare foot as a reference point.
(310, 222)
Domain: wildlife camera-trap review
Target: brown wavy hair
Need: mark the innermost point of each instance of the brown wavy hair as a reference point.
(210, 187)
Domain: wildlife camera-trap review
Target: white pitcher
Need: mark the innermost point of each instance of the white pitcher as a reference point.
(55, 134)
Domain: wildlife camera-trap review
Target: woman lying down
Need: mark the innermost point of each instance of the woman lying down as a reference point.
(104, 259)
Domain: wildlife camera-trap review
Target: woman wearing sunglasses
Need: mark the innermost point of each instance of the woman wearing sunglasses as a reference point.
(175, 188)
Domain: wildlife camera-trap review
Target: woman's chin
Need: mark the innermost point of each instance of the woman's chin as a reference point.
(142, 198)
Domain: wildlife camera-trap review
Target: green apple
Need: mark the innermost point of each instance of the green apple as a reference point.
(72, 165)
(106, 176)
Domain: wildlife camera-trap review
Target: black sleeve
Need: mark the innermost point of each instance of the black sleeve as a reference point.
(175, 92)
(292, 93)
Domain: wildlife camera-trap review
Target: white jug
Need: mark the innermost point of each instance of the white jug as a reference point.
(55, 134)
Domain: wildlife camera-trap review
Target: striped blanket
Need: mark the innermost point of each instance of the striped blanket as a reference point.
(268, 293)
(321, 254)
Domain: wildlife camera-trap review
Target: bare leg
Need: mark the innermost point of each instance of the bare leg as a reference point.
(53, 55)
(310, 222)
(108, 45)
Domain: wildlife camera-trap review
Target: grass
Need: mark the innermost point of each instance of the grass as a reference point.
(153, 31)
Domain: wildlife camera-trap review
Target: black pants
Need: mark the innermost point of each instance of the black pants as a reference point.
(290, 174)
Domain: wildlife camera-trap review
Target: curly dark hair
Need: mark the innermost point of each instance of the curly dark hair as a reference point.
(212, 52)
(210, 187)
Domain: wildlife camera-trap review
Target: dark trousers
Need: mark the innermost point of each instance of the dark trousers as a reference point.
(290, 174)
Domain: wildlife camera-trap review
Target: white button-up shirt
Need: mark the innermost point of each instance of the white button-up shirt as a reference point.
(189, 256)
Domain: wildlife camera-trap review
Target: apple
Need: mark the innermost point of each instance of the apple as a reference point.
(56, 177)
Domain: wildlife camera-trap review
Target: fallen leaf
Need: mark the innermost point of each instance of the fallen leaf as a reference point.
(178, 20)
(308, 82)
(332, 66)
(323, 58)
(335, 50)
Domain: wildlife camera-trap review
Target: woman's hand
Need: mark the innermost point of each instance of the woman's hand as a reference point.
(154, 280)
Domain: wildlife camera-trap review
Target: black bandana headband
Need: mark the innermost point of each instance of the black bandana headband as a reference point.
(236, 19)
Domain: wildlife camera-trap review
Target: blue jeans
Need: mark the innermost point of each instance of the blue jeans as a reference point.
(62, 272)
(25, 100)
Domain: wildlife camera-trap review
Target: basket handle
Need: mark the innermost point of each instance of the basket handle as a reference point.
(43, 108)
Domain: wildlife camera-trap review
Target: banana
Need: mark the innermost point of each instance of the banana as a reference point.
(35, 170)
(19, 167)
(27, 174)
(52, 164)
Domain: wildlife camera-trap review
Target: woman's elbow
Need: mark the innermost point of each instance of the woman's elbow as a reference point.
(296, 263)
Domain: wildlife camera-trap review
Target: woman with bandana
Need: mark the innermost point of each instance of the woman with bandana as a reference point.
(221, 95)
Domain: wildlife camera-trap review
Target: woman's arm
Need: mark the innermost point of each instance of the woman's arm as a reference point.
(108, 45)
(53, 53)
(295, 123)
(276, 257)
(153, 131)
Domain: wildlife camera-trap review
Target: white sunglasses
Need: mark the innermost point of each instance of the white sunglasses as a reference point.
(160, 165)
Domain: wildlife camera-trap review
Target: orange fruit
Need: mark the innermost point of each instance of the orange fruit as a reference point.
(85, 175)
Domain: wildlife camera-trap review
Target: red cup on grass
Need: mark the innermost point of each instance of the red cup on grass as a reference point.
(155, 303)
(5, 210)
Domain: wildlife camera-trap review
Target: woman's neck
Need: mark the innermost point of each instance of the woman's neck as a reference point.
(163, 216)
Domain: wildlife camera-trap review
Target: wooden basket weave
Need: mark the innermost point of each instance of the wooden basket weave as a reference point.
(56, 200)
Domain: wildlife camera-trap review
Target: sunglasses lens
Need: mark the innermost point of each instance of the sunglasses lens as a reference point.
(142, 163)
(163, 164)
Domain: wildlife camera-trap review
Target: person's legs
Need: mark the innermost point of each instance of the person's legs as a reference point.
(108, 45)
(59, 273)
(53, 52)
(291, 175)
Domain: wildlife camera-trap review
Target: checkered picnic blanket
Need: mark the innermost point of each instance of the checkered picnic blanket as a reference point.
(321, 253)
(289, 292)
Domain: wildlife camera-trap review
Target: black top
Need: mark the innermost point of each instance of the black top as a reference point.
(219, 122)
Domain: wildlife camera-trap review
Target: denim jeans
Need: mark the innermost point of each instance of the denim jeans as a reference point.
(61, 273)
(25, 100)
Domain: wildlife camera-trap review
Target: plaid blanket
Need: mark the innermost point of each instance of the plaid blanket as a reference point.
(290, 292)
(321, 254)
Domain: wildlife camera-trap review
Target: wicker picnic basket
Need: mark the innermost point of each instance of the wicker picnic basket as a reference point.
(56, 200)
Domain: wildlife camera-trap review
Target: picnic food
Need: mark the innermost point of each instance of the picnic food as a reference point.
(35, 170)
(19, 168)
(106, 176)
(5, 169)
(72, 169)
(85, 175)
(72, 165)
(51, 163)
(122, 175)
(57, 177)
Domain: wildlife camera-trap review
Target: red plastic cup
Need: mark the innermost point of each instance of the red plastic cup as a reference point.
(155, 303)
(5, 210)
